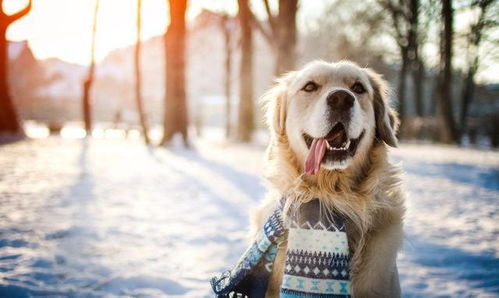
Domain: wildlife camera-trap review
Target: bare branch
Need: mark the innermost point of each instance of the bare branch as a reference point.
(267, 8)
(270, 17)
(20, 14)
(266, 32)
(396, 9)
(395, 13)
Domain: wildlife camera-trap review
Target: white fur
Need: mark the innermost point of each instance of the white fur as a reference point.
(308, 112)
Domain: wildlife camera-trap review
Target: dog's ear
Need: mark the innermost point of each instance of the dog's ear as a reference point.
(276, 104)
(386, 118)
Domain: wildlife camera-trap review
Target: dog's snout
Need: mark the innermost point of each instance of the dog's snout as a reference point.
(340, 100)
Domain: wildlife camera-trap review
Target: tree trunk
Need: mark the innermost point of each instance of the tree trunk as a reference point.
(466, 99)
(228, 67)
(246, 109)
(9, 120)
(448, 128)
(138, 77)
(418, 77)
(87, 106)
(401, 92)
(474, 40)
(493, 131)
(417, 70)
(286, 36)
(87, 84)
(175, 116)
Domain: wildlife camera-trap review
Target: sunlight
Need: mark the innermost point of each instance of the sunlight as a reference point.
(144, 165)
(116, 25)
(71, 42)
(72, 132)
(35, 130)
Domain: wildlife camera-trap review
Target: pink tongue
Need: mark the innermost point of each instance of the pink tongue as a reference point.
(315, 155)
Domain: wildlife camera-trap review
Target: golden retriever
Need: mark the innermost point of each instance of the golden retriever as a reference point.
(345, 109)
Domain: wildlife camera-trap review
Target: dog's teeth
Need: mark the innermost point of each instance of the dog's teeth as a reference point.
(339, 148)
(347, 145)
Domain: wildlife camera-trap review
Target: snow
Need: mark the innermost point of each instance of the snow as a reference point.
(113, 217)
(452, 221)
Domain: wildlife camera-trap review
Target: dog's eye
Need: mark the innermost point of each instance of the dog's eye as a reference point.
(358, 88)
(310, 87)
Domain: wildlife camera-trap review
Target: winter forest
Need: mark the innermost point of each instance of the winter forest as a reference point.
(119, 117)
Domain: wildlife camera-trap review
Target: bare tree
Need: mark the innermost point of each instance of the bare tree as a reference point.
(138, 77)
(405, 22)
(399, 23)
(448, 133)
(416, 63)
(87, 84)
(9, 121)
(327, 37)
(175, 116)
(474, 39)
(227, 28)
(246, 108)
(281, 33)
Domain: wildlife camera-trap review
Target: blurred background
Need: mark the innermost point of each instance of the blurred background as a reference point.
(131, 139)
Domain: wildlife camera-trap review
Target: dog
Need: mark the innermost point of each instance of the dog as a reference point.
(346, 109)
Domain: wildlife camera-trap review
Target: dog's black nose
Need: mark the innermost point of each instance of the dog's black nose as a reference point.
(340, 100)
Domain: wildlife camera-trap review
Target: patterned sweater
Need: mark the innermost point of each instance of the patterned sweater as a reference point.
(317, 257)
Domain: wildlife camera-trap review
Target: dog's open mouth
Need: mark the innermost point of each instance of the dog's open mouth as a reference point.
(334, 147)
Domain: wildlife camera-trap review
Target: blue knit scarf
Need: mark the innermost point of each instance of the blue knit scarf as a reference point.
(317, 258)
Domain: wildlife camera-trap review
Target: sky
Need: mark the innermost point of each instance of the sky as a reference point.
(62, 28)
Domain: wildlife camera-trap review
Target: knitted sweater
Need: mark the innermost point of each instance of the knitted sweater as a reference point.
(317, 257)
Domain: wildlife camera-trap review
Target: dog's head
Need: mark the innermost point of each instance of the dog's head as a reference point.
(330, 114)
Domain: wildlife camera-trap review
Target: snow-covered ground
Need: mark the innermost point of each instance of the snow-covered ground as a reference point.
(106, 217)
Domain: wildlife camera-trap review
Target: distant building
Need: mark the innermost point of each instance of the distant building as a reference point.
(25, 76)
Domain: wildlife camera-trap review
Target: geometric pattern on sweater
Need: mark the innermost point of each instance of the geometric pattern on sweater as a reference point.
(309, 287)
(309, 272)
(318, 265)
(317, 257)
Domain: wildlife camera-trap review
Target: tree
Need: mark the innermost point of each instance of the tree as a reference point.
(474, 39)
(227, 28)
(417, 66)
(281, 34)
(448, 133)
(175, 116)
(405, 21)
(9, 121)
(327, 38)
(246, 109)
(138, 77)
(87, 84)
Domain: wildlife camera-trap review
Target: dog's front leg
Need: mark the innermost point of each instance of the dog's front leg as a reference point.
(374, 271)
(275, 280)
